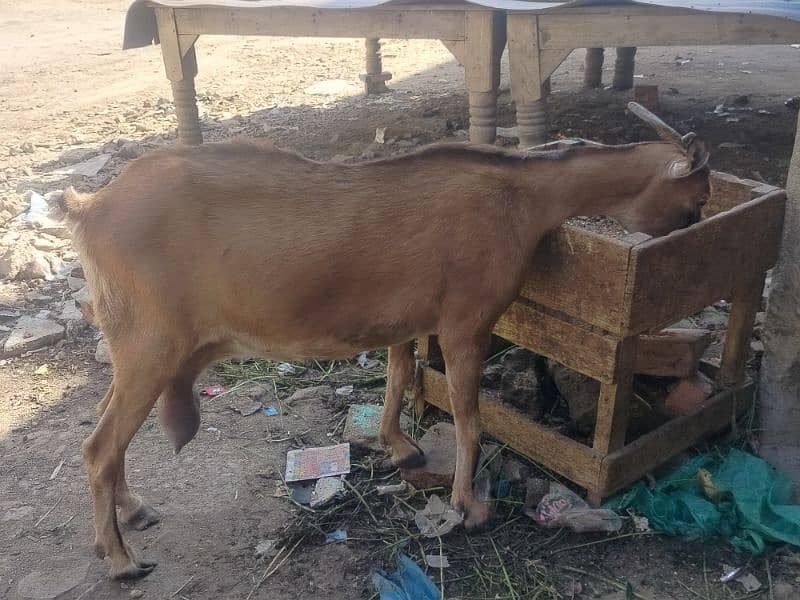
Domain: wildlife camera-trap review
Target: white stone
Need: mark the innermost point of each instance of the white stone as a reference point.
(102, 353)
(31, 333)
(70, 312)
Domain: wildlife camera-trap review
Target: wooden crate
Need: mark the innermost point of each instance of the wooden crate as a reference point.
(587, 298)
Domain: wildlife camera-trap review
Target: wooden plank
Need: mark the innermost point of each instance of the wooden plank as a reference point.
(746, 303)
(631, 462)
(727, 192)
(582, 274)
(685, 271)
(671, 352)
(612, 406)
(573, 460)
(649, 27)
(579, 348)
(380, 22)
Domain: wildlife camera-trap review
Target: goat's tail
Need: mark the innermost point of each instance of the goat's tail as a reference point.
(70, 204)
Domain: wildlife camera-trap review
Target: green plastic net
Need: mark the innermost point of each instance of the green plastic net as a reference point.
(734, 495)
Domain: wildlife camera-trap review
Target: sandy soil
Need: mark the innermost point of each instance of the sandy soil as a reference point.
(66, 85)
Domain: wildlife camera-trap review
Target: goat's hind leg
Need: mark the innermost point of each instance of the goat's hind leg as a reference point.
(103, 451)
(399, 373)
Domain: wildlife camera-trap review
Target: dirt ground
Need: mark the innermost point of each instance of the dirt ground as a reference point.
(66, 86)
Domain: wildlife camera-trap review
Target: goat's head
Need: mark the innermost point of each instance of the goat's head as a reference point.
(678, 186)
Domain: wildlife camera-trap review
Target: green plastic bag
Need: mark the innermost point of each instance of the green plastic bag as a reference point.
(737, 496)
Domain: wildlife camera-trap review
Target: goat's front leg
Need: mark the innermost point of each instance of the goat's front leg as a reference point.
(399, 373)
(463, 358)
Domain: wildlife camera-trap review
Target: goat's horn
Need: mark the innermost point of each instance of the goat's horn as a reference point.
(665, 132)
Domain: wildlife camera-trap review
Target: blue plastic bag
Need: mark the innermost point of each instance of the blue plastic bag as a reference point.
(409, 582)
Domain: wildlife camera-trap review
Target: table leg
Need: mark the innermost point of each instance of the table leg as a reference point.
(180, 64)
(623, 68)
(593, 68)
(526, 79)
(375, 77)
(483, 49)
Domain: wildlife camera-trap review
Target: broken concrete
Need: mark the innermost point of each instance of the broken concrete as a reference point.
(31, 333)
(439, 445)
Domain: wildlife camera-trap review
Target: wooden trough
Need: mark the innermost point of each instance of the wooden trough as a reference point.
(587, 299)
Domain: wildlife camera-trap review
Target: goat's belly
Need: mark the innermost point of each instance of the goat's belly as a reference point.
(322, 347)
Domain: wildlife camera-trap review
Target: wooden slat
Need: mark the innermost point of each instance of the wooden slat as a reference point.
(613, 404)
(573, 460)
(685, 271)
(582, 274)
(579, 348)
(319, 22)
(651, 27)
(630, 463)
(727, 192)
(746, 303)
(671, 352)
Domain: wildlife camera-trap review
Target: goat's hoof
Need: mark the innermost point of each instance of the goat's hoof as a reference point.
(141, 518)
(478, 516)
(407, 454)
(133, 570)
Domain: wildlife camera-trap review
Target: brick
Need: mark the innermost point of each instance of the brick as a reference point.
(439, 445)
(647, 96)
(689, 395)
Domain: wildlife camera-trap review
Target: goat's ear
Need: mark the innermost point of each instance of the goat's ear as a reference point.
(697, 152)
(695, 157)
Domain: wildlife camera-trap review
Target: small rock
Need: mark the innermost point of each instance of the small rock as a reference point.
(32, 333)
(87, 168)
(363, 424)
(136, 594)
(84, 299)
(75, 283)
(326, 490)
(521, 389)
(319, 392)
(793, 103)
(439, 445)
(70, 312)
(102, 354)
(12, 204)
(130, 150)
(266, 548)
(580, 392)
(28, 148)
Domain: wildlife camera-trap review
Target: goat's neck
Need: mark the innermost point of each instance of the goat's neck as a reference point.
(587, 182)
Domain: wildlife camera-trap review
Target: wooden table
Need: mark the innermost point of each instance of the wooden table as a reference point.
(538, 42)
(476, 36)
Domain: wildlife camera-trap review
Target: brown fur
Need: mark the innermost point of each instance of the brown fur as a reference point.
(195, 254)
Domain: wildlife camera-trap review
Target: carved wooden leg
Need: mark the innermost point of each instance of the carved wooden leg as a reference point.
(593, 68)
(745, 304)
(623, 68)
(180, 64)
(482, 50)
(375, 78)
(526, 79)
(183, 94)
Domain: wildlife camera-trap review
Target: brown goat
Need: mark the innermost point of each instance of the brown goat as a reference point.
(194, 254)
